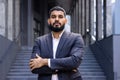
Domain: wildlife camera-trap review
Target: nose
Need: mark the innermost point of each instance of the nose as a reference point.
(56, 18)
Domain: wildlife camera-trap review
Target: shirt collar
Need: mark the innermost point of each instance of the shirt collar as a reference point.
(59, 35)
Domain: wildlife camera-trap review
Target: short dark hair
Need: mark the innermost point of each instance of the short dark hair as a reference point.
(58, 8)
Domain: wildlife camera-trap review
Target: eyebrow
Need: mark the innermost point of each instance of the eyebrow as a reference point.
(58, 15)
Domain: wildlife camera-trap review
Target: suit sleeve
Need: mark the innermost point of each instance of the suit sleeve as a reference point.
(44, 69)
(74, 60)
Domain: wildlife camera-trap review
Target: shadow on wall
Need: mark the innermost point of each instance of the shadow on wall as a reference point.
(8, 51)
(103, 51)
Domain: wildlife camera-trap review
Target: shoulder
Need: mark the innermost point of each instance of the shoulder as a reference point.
(43, 37)
(73, 35)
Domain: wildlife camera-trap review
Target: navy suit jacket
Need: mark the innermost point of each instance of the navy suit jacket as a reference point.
(68, 56)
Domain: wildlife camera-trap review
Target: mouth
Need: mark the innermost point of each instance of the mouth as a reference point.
(56, 24)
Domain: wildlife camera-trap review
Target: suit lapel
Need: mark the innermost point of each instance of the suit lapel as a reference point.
(61, 44)
(50, 45)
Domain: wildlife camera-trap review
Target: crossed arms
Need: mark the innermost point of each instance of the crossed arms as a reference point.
(40, 65)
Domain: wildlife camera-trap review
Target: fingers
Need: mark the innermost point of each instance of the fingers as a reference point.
(31, 60)
(37, 55)
(33, 64)
(33, 67)
(74, 70)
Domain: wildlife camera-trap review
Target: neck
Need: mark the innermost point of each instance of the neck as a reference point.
(56, 34)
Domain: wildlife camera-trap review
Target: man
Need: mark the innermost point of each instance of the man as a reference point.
(57, 55)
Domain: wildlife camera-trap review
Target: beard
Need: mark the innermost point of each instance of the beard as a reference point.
(56, 28)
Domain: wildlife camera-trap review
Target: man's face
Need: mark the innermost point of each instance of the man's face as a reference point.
(57, 19)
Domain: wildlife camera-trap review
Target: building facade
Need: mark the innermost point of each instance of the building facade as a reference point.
(21, 21)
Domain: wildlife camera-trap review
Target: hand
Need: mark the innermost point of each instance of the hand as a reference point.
(37, 62)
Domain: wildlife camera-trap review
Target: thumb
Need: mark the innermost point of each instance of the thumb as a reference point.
(37, 55)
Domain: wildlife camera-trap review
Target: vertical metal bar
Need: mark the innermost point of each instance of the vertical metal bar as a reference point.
(104, 18)
(96, 20)
(90, 21)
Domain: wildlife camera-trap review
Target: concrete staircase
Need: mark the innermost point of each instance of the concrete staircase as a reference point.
(20, 68)
(90, 69)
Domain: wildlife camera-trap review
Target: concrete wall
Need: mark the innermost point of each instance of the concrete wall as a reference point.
(107, 52)
(116, 55)
(8, 51)
(103, 51)
(116, 39)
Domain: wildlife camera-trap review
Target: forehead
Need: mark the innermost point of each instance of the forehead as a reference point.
(55, 12)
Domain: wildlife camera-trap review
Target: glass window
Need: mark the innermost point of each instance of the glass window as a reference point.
(110, 5)
(68, 24)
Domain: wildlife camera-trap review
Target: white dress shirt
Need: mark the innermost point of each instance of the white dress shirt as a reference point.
(55, 45)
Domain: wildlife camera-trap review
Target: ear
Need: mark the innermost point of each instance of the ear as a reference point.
(48, 21)
(65, 20)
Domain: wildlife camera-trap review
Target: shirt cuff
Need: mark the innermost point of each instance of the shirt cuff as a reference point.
(49, 63)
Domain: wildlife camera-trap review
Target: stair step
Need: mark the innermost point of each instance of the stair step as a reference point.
(93, 77)
(21, 78)
(27, 61)
(82, 70)
(20, 70)
(29, 73)
(20, 67)
(32, 76)
(81, 66)
(93, 73)
(23, 58)
(89, 68)
(20, 73)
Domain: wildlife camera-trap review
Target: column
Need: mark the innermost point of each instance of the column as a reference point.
(2, 17)
(91, 18)
(79, 15)
(30, 24)
(10, 20)
(6, 17)
(74, 19)
(83, 17)
(87, 15)
(46, 29)
(87, 22)
(17, 17)
(24, 22)
(98, 19)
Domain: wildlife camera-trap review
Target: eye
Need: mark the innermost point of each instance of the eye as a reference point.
(53, 16)
(60, 16)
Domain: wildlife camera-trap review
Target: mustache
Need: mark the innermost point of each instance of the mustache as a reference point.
(56, 22)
